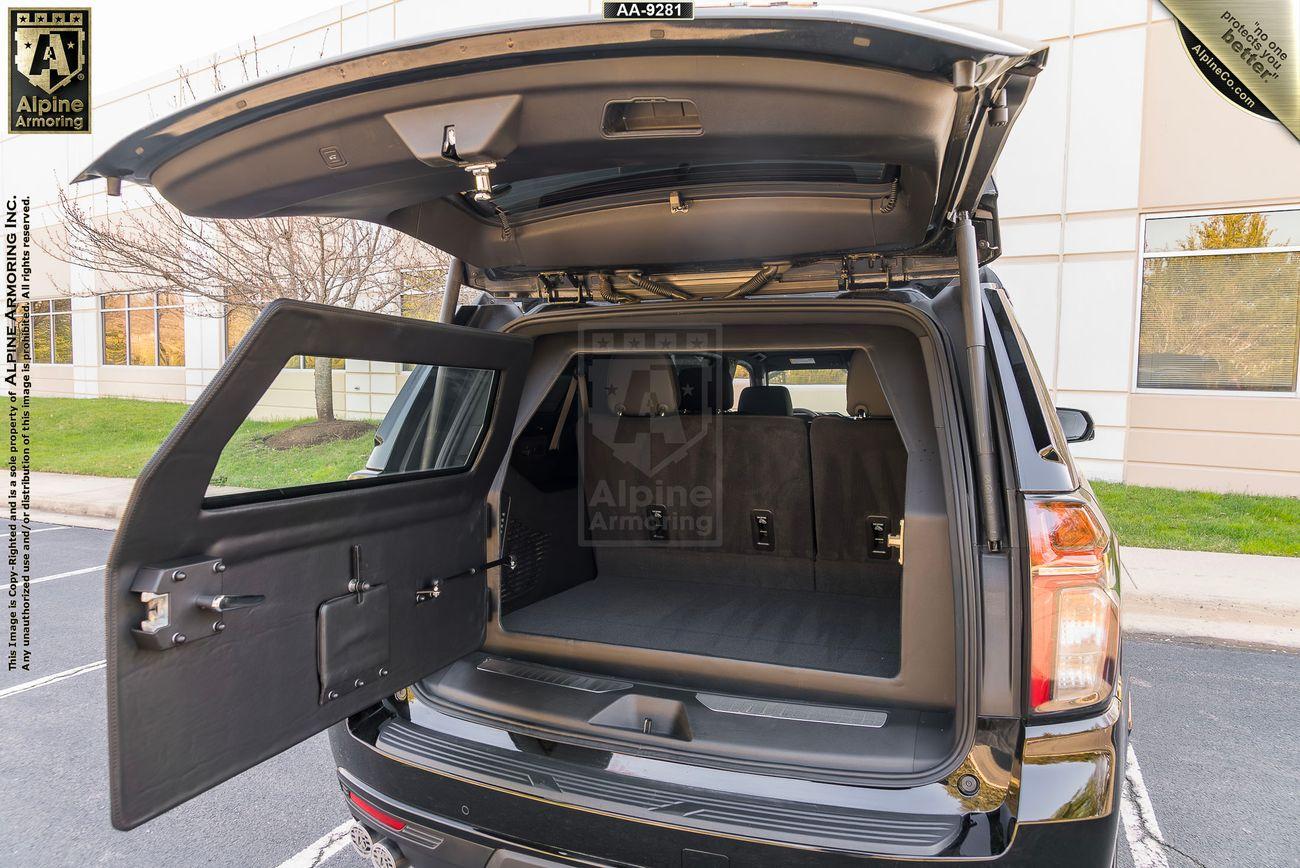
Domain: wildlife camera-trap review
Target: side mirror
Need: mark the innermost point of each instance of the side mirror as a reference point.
(1077, 424)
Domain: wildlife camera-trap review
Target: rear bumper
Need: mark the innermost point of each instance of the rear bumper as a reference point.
(464, 819)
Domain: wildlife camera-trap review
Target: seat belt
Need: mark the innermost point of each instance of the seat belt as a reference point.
(564, 413)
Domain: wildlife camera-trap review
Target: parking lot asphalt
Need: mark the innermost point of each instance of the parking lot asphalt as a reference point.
(1217, 782)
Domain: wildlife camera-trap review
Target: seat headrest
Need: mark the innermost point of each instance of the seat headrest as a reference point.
(634, 385)
(765, 401)
(705, 389)
(865, 396)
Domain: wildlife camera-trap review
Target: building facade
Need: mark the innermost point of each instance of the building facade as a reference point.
(1151, 234)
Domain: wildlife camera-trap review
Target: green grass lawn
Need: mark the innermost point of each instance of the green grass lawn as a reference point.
(116, 436)
(1163, 518)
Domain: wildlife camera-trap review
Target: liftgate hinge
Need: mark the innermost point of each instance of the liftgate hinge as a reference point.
(185, 601)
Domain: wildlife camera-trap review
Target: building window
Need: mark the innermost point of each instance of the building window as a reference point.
(1220, 302)
(49, 339)
(143, 328)
(238, 320)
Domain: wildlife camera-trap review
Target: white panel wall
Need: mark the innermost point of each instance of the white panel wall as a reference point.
(1037, 19)
(1096, 324)
(205, 338)
(1090, 15)
(1032, 166)
(1101, 233)
(982, 13)
(1094, 365)
(1033, 287)
(1105, 121)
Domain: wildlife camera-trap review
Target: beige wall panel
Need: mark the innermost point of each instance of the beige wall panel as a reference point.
(1209, 448)
(293, 396)
(1200, 150)
(53, 381)
(148, 383)
(1213, 479)
(1240, 414)
(50, 276)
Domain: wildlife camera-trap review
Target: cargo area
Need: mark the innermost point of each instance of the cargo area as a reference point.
(698, 615)
(714, 511)
(687, 534)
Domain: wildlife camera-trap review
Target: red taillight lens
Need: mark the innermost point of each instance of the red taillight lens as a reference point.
(1074, 630)
(386, 820)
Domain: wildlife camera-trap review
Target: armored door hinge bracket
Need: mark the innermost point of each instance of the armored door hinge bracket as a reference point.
(895, 541)
(481, 173)
(185, 601)
(881, 541)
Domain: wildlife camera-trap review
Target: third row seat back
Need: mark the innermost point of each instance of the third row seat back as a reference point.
(641, 458)
(765, 401)
(859, 469)
(767, 520)
(734, 492)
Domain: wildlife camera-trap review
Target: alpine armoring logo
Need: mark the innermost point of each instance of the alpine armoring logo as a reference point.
(49, 79)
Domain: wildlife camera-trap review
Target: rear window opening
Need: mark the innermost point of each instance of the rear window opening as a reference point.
(696, 564)
(531, 194)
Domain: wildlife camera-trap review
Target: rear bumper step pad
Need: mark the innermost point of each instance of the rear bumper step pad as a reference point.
(552, 779)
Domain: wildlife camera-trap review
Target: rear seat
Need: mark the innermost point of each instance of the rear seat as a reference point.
(766, 481)
(859, 469)
(639, 451)
(753, 469)
(765, 401)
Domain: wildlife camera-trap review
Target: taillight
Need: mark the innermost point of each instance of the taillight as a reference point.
(383, 818)
(1074, 630)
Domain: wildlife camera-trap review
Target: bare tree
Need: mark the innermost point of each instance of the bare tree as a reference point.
(240, 266)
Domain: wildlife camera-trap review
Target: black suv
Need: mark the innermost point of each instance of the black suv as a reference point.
(732, 524)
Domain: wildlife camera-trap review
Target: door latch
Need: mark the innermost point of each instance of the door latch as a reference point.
(185, 601)
(882, 540)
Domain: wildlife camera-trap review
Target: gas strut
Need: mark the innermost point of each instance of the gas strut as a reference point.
(972, 302)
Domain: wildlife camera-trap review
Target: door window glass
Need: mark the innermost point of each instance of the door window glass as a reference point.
(349, 420)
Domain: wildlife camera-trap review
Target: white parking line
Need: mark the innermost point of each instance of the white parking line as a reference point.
(325, 847)
(65, 575)
(44, 529)
(50, 679)
(1145, 839)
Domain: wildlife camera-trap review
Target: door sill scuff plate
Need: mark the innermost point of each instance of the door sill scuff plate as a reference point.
(552, 676)
(831, 714)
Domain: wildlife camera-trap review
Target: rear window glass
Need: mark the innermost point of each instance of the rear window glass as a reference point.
(821, 390)
(534, 193)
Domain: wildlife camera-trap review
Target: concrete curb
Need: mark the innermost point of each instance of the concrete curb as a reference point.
(1254, 599)
(88, 509)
